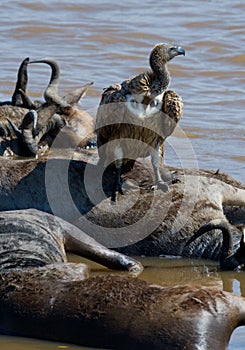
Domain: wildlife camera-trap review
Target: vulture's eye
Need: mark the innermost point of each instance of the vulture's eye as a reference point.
(154, 103)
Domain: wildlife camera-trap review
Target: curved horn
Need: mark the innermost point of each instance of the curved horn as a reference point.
(51, 93)
(30, 120)
(212, 225)
(28, 143)
(54, 124)
(26, 100)
(55, 70)
(21, 83)
(216, 224)
(228, 260)
(15, 128)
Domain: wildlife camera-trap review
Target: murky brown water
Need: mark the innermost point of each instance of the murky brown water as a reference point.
(106, 42)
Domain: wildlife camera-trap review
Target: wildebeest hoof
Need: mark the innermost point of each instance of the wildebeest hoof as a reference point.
(135, 269)
(161, 185)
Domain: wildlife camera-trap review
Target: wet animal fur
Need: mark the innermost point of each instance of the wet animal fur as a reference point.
(43, 296)
(174, 217)
(116, 312)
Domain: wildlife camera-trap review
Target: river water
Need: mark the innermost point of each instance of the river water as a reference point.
(108, 41)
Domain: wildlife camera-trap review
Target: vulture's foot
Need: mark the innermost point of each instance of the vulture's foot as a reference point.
(168, 178)
(161, 185)
(117, 191)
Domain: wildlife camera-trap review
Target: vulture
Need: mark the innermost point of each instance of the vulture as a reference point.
(135, 117)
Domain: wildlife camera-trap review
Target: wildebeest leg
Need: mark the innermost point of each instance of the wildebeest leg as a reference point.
(80, 243)
(155, 160)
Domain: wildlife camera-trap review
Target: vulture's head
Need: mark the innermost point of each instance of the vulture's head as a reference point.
(162, 53)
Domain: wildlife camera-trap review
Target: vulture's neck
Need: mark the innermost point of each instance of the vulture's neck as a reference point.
(161, 77)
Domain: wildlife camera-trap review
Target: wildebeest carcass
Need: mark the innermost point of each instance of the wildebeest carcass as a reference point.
(21, 129)
(144, 222)
(43, 296)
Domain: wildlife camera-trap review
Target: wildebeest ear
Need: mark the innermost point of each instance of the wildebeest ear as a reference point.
(76, 95)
